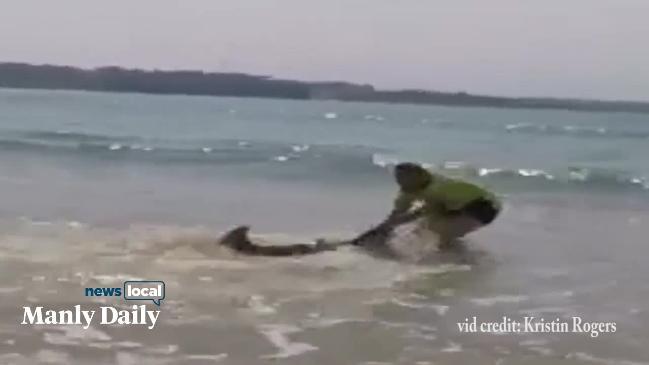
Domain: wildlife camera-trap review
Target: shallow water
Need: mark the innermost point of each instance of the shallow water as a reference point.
(102, 188)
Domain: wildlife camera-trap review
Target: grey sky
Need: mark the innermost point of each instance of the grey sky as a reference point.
(579, 48)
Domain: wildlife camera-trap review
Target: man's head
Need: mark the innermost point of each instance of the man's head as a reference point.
(411, 177)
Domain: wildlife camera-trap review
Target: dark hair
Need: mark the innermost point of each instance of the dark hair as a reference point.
(409, 167)
(413, 172)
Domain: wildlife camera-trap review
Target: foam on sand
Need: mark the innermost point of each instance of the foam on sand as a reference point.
(278, 336)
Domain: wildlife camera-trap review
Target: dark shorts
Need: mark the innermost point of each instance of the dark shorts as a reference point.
(482, 210)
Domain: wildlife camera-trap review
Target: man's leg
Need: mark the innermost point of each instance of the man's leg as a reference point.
(473, 216)
(450, 229)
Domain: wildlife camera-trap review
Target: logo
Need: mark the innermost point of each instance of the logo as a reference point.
(153, 290)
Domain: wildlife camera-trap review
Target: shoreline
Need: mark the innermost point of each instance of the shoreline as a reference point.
(199, 83)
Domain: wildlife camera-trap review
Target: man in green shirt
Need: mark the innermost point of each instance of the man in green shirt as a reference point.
(452, 208)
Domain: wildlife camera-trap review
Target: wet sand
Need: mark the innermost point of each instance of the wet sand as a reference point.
(335, 307)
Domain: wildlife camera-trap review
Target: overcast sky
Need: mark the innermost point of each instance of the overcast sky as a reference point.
(576, 48)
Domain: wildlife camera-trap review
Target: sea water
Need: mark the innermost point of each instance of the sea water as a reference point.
(100, 188)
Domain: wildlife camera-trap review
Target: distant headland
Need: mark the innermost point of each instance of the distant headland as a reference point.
(118, 79)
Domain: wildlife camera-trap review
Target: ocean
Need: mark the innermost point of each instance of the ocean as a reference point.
(100, 188)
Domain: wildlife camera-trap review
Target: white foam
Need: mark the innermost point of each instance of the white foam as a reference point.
(280, 158)
(101, 345)
(277, 335)
(535, 173)
(582, 356)
(75, 224)
(488, 171)
(127, 358)
(559, 294)
(162, 350)
(90, 334)
(128, 344)
(511, 127)
(643, 181)
(256, 304)
(332, 322)
(541, 350)
(438, 308)
(300, 148)
(489, 301)
(414, 333)
(331, 115)
(578, 175)
(212, 358)
(115, 147)
(452, 347)
(206, 149)
(384, 160)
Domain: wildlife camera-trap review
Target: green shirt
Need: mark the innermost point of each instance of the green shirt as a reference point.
(445, 194)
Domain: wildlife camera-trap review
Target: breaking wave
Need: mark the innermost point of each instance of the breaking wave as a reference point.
(535, 178)
(307, 161)
(575, 131)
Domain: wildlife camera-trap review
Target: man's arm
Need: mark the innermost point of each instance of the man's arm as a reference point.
(384, 228)
(401, 205)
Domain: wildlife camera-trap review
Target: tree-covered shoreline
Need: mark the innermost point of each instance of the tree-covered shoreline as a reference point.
(189, 82)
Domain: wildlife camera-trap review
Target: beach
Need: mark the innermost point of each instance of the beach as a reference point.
(102, 188)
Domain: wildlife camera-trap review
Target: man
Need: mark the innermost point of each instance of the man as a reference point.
(451, 208)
